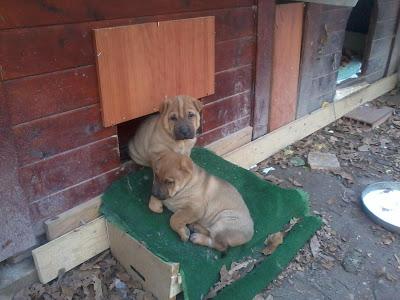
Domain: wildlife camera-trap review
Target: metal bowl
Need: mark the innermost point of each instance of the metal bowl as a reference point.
(381, 202)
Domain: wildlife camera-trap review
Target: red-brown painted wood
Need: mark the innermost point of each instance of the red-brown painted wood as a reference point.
(16, 233)
(56, 203)
(234, 53)
(52, 175)
(286, 63)
(35, 97)
(22, 13)
(227, 110)
(231, 82)
(52, 135)
(39, 50)
(262, 90)
(222, 131)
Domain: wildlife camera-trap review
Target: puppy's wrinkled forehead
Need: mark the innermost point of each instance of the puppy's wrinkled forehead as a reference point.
(182, 104)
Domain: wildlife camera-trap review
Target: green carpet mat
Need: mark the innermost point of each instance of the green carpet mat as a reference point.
(125, 204)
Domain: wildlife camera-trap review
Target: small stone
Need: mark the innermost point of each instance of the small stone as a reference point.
(363, 148)
(297, 161)
(353, 261)
(323, 161)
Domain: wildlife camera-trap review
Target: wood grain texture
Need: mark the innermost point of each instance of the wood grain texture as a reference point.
(234, 53)
(52, 175)
(156, 276)
(39, 96)
(394, 60)
(70, 250)
(232, 141)
(55, 134)
(177, 57)
(226, 110)
(22, 13)
(60, 201)
(16, 232)
(223, 131)
(263, 77)
(52, 48)
(285, 64)
(231, 82)
(72, 218)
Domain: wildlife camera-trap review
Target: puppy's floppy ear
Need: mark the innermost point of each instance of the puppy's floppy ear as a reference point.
(186, 164)
(164, 106)
(198, 105)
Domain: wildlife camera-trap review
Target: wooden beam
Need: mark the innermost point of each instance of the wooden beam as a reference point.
(232, 141)
(350, 3)
(70, 250)
(72, 218)
(260, 149)
(263, 77)
(159, 277)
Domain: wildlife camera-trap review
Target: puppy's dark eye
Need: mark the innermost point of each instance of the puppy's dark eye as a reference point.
(190, 114)
(173, 118)
(168, 182)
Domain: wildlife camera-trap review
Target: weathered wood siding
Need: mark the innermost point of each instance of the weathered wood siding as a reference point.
(63, 154)
(323, 36)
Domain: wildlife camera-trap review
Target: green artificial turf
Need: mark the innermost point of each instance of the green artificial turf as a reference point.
(271, 207)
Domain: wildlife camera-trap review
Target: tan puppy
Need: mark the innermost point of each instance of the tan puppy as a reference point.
(212, 207)
(173, 129)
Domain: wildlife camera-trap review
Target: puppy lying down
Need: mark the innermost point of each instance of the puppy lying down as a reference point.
(212, 208)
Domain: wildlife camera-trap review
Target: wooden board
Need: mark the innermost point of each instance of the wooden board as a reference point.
(70, 250)
(232, 141)
(285, 64)
(350, 3)
(141, 65)
(369, 115)
(260, 149)
(159, 277)
(262, 86)
(73, 218)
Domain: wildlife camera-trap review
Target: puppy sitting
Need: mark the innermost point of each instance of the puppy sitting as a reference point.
(173, 129)
(212, 207)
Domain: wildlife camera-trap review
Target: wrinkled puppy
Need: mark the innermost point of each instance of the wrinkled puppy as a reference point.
(173, 129)
(212, 207)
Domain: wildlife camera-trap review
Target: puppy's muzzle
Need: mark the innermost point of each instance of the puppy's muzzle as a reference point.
(157, 192)
(184, 131)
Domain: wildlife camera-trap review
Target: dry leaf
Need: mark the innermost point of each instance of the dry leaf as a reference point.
(295, 182)
(315, 246)
(272, 242)
(273, 179)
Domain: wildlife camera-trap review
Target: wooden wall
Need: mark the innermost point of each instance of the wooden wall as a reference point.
(63, 154)
(323, 36)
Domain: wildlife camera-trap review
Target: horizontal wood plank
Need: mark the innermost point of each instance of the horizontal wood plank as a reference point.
(61, 201)
(213, 135)
(231, 82)
(52, 135)
(232, 141)
(43, 95)
(70, 250)
(59, 47)
(19, 13)
(51, 175)
(227, 110)
(385, 28)
(260, 149)
(72, 218)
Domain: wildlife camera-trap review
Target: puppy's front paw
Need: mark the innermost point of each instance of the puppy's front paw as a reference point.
(184, 233)
(155, 205)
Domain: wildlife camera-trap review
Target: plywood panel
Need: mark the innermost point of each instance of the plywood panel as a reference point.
(286, 63)
(140, 65)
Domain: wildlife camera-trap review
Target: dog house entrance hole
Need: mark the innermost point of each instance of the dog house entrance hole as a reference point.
(355, 47)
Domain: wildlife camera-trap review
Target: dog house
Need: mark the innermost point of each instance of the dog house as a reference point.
(266, 72)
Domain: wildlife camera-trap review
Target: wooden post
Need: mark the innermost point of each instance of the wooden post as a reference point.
(262, 88)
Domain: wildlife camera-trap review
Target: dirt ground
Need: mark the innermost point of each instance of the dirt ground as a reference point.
(349, 258)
